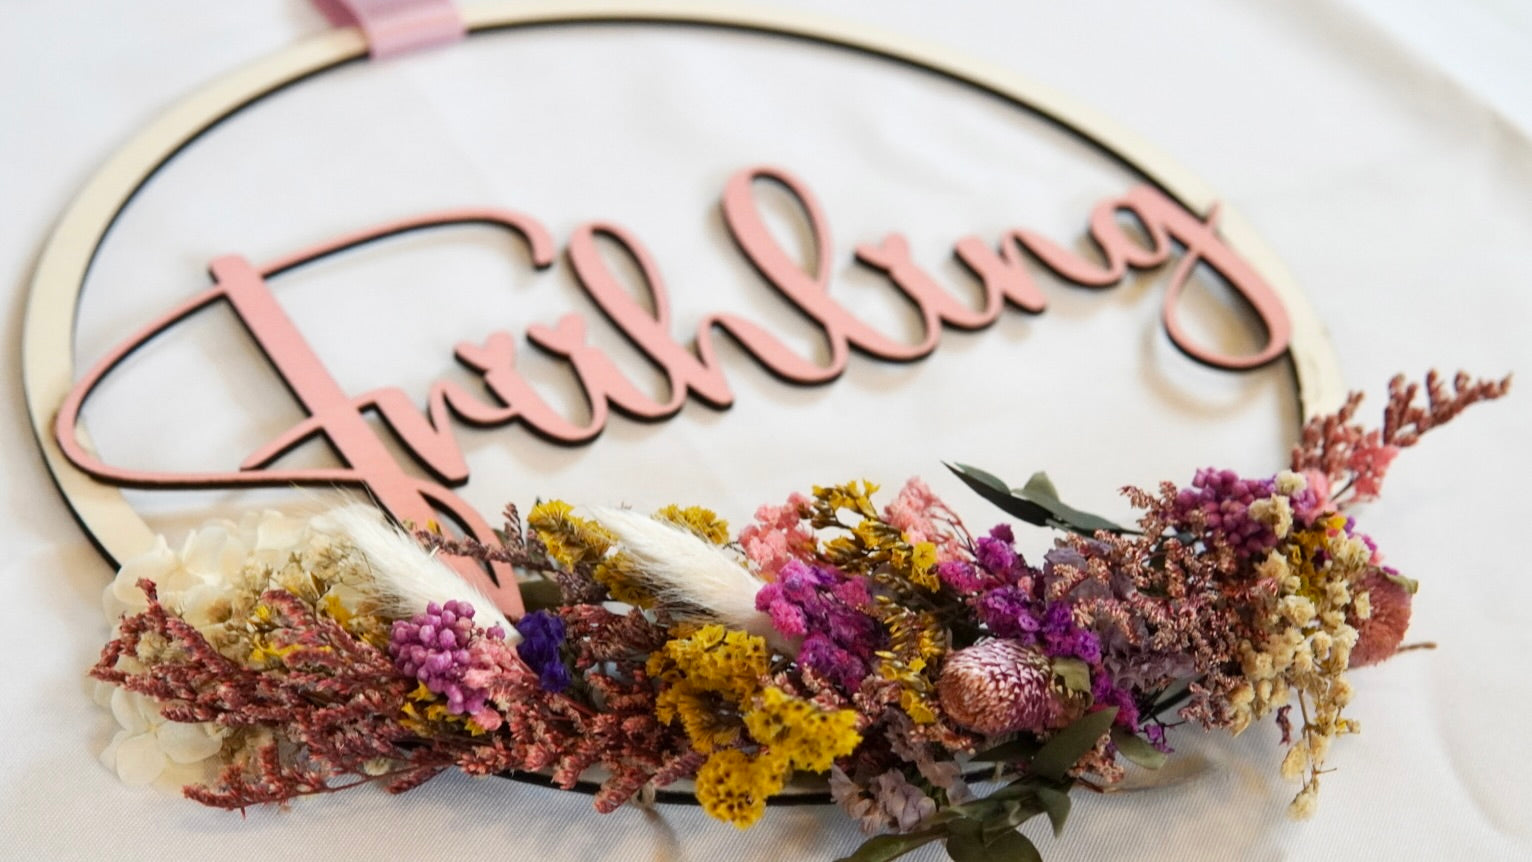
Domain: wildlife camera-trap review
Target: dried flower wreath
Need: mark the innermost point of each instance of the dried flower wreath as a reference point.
(891, 649)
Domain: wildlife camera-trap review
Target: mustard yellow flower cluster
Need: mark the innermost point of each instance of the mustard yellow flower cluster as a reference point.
(583, 546)
(800, 733)
(916, 640)
(707, 681)
(712, 682)
(700, 522)
(871, 546)
(1306, 642)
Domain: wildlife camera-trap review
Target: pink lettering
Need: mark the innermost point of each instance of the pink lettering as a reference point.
(340, 419)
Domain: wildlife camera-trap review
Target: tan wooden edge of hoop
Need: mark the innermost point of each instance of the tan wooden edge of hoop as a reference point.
(62, 267)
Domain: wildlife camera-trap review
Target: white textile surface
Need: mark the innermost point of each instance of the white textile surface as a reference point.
(1386, 162)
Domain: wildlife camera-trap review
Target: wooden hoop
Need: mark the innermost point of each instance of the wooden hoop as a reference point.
(48, 335)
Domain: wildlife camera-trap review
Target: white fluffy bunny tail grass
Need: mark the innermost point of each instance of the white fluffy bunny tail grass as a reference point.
(684, 571)
(407, 576)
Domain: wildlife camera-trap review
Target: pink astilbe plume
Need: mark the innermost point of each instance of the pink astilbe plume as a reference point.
(331, 709)
(779, 535)
(1354, 459)
(923, 517)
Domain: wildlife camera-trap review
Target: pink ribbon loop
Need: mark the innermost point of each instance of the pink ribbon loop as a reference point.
(396, 26)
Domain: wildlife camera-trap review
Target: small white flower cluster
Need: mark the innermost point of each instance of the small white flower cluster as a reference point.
(220, 568)
(1308, 639)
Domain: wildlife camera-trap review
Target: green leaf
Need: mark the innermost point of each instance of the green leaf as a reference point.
(1040, 490)
(1055, 804)
(1053, 760)
(1036, 502)
(1012, 846)
(1039, 485)
(966, 842)
(995, 491)
(1013, 812)
(1074, 672)
(540, 594)
(883, 848)
(1021, 748)
(1137, 749)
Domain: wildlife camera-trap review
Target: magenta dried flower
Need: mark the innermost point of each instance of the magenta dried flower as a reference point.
(433, 647)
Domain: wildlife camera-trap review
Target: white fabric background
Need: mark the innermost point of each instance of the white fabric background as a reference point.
(1387, 164)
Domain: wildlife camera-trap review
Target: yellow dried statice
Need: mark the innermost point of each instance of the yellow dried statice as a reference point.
(790, 733)
(581, 545)
(916, 640)
(872, 546)
(799, 732)
(734, 786)
(708, 681)
(702, 523)
(1306, 641)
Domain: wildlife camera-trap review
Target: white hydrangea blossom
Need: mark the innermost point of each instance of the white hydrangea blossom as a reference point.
(210, 569)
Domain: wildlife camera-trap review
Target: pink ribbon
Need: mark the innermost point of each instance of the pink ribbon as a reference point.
(396, 26)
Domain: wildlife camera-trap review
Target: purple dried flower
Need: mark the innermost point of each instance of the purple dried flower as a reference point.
(960, 575)
(1008, 612)
(1224, 500)
(824, 608)
(903, 803)
(542, 634)
(433, 646)
(997, 557)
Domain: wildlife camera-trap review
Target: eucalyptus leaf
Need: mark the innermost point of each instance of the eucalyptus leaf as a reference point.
(1013, 813)
(995, 491)
(883, 848)
(1012, 846)
(1053, 760)
(1055, 804)
(1137, 749)
(965, 842)
(1040, 490)
(540, 594)
(1021, 748)
(1036, 502)
(1074, 672)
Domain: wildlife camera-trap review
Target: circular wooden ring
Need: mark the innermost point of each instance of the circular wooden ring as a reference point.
(66, 258)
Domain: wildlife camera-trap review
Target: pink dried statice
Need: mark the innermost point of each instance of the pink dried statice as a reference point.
(332, 712)
(778, 536)
(923, 517)
(1355, 459)
(999, 686)
(567, 732)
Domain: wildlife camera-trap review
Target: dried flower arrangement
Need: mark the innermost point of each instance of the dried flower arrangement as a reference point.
(888, 648)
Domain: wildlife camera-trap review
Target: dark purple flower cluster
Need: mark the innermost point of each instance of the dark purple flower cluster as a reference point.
(1224, 500)
(433, 646)
(542, 636)
(1012, 605)
(996, 564)
(826, 610)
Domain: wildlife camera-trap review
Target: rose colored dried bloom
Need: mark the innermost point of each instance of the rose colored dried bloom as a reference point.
(1379, 635)
(999, 686)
